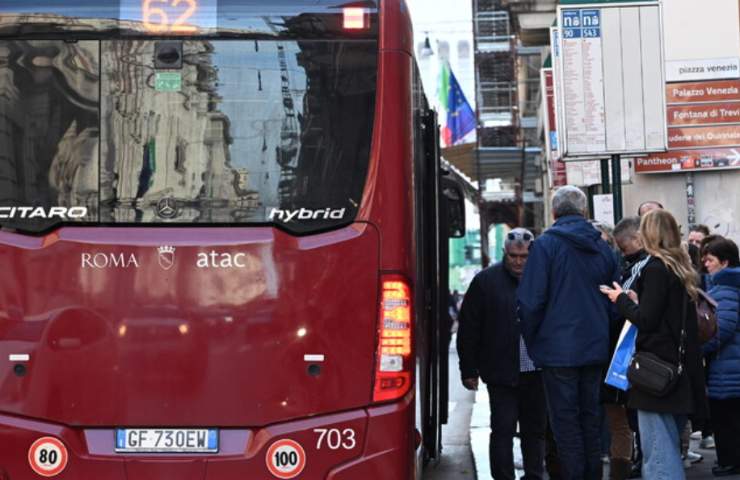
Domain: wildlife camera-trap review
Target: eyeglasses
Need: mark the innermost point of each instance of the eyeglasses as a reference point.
(526, 236)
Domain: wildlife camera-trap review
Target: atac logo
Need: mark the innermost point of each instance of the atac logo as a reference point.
(166, 256)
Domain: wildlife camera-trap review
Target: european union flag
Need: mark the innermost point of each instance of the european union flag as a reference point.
(460, 116)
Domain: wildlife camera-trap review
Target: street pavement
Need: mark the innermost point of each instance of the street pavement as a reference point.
(456, 462)
(465, 438)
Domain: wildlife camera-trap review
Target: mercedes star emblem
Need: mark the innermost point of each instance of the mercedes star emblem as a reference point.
(167, 208)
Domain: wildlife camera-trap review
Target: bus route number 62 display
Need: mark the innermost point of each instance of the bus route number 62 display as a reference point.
(176, 17)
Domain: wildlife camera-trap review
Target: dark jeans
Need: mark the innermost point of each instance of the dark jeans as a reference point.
(526, 404)
(552, 462)
(726, 422)
(573, 405)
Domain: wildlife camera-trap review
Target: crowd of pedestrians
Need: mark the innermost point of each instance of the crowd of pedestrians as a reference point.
(541, 327)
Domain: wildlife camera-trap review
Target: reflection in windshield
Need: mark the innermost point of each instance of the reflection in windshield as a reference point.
(48, 128)
(160, 141)
(243, 128)
(190, 131)
(265, 132)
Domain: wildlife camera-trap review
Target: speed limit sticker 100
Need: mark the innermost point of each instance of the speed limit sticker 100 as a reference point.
(286, 459)
(48, 456)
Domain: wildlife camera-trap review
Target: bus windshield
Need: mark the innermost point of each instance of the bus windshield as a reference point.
(184, 131)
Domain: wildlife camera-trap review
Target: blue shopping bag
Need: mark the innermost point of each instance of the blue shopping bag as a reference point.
(616, 376)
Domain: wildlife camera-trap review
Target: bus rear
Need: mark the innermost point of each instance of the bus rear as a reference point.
(206, 258)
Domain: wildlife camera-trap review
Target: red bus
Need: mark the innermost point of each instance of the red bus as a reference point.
(223, 242)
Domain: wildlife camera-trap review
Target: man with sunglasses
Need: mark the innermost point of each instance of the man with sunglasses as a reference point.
(490, 347)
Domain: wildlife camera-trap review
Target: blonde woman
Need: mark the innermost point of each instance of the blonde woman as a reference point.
(666, 289)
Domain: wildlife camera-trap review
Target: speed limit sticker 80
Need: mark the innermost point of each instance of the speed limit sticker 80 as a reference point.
(286, 459)
(48, 456)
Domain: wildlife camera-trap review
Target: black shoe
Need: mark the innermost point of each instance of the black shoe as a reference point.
(725, 471)
(636, 471)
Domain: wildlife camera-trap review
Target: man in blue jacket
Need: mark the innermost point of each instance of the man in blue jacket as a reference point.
(565, 325)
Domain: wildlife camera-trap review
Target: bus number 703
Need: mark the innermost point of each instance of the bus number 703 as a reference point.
(335, 438)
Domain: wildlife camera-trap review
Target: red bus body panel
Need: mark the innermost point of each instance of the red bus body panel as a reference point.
(189, 345)
(218, 347)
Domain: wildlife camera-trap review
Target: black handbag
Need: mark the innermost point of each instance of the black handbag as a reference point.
(655, 376)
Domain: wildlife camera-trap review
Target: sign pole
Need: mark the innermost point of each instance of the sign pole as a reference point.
(605, 187)
(690, 199)
(617, 186)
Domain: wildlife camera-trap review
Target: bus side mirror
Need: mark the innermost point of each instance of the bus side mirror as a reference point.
(455, 200)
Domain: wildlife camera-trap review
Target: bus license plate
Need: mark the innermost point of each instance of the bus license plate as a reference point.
(166, 440)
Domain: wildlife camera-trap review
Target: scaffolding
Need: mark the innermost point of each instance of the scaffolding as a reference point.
(506, 104)
(507, 79)
(495, 70)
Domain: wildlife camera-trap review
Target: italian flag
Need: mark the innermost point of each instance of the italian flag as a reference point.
(460, 119)
(443, 93)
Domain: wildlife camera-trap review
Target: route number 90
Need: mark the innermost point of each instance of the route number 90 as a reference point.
(335, 438)
(168, 16)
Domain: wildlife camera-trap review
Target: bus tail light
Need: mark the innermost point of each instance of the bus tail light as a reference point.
(355, 19)
(393, 361)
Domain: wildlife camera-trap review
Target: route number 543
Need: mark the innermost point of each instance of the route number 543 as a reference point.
(335, 438)
(169, 16)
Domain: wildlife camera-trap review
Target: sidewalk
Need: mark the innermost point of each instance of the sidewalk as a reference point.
(479, 436)
(468, 429)
(456, 462)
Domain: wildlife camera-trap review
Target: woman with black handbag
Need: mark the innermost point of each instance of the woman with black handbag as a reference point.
(666, 378)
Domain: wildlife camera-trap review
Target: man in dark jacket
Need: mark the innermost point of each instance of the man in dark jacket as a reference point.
(490, 347)
(565, 324)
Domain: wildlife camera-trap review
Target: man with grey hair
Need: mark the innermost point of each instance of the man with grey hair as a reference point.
(490, 346)
(565, 324)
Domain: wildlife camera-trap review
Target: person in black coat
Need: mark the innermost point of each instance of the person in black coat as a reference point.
(662, 295)
(489, 345)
